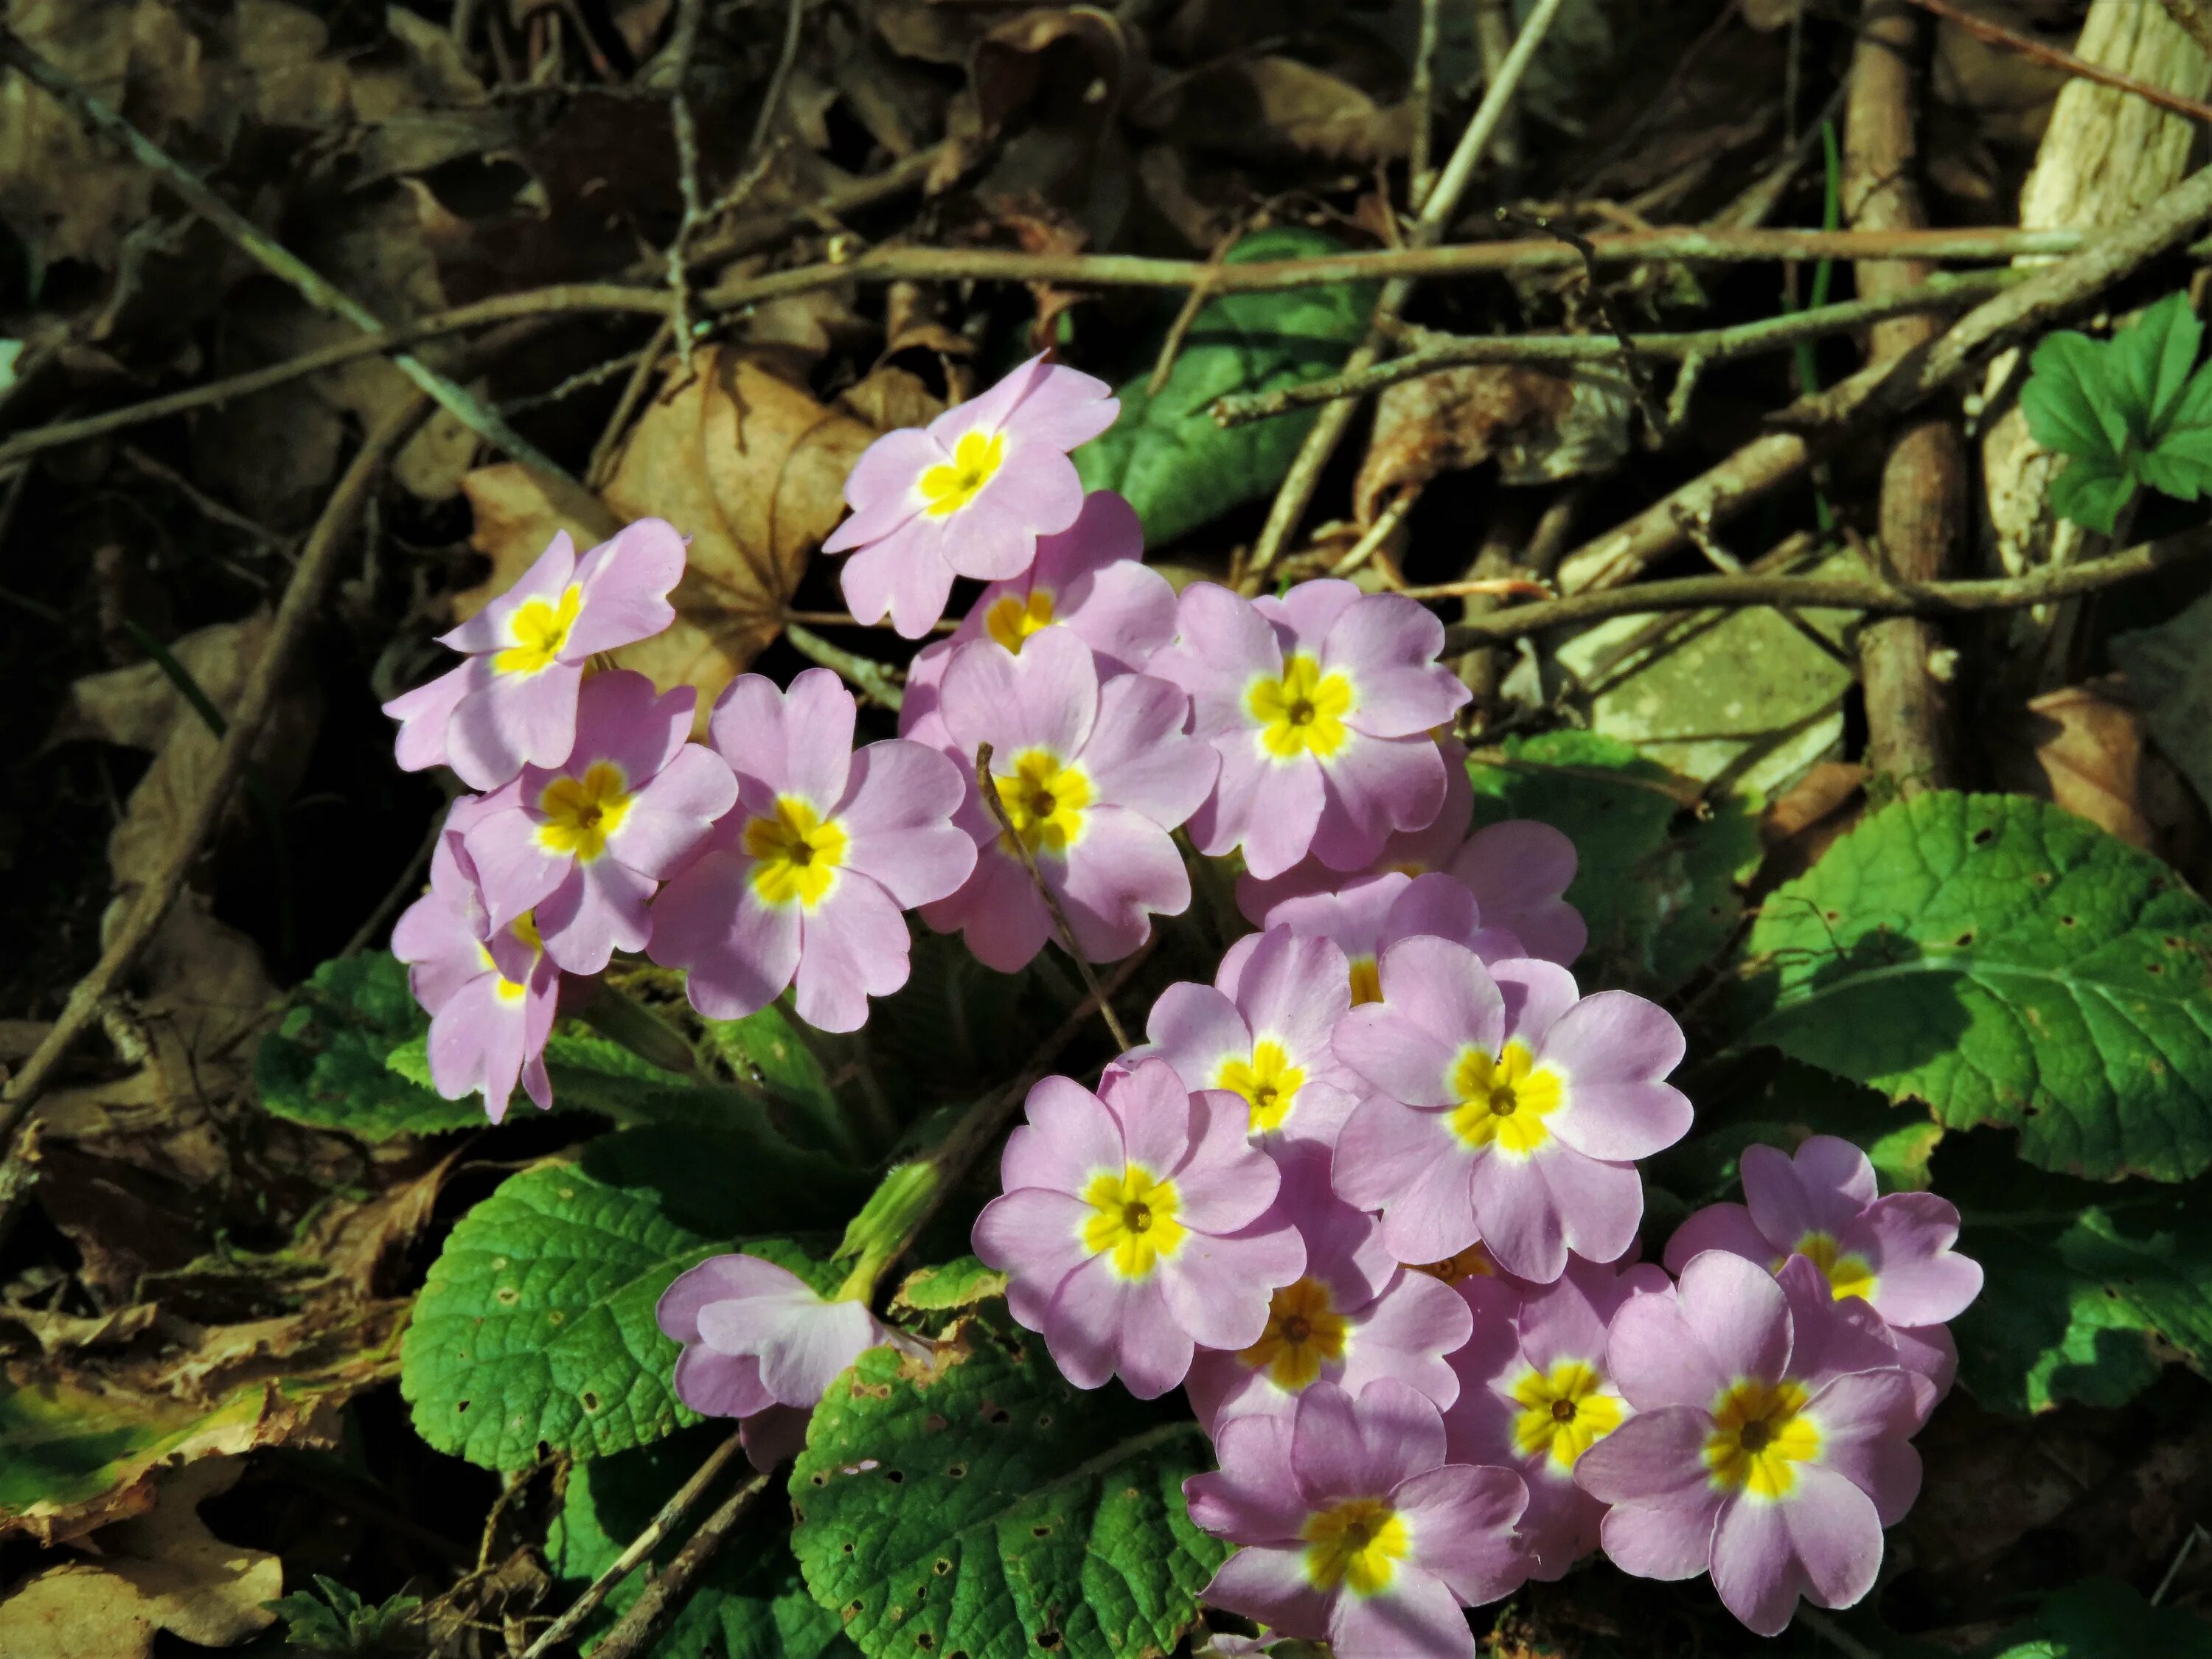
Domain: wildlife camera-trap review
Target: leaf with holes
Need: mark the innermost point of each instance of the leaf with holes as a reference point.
(535, 1324)
(981, 1507)
(1655, 883)
(1178, 467)
(2009, 964)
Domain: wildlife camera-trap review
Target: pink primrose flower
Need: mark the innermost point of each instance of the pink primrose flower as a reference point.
(1266, 1040)
(513, 704)
(583, 845)
(1892, 1252)
(1137, 1224)
(1536, 1395)
(491, 995)
(1092, 777)
(966, 496)
(759, 1344)
(1507, 1108)
(1762, 1451)
(1320, 704)
(805, 879)
(1088, 578)
(1367, 914)
(1355, 1529)
(1518, 869)
(1355, 1316)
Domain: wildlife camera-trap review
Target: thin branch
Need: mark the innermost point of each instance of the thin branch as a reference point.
(871, 677)
(1443, 201)
(987, 786)
(2027, 45)
(303, 597)
(1873, 597)
(1779, 333)
(670, 1514)
(1423, 97)
(685, 132)
(279, 261)
(1632, 363)
(1179, 330)
(795, 15)
(636, 1631)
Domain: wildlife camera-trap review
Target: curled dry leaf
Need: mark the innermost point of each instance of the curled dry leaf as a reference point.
(1274, 106)
(161, 1571)
(2081, 747)
(1538, 425)
(748, 466)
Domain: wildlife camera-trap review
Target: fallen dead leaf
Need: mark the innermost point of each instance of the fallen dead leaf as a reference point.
(749, 467)
(1537, 424)
(1274, 106)
(163, 1570)
(2083, 748)
(1805, 820)
(891, 397)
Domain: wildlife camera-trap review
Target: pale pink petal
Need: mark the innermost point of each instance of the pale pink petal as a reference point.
(1295, 990)
(514, 868)
(671, 818)
(1072, 1136)
(1921, 1279)
(1063, 407)
(1047, 698)
(1123, 872)
(1719, 1227)
(903, 576)
(1372, 787)
(720, 1384)
(854, 945)
(1223, 644)
(1759, 1570)
(1785, 1204)
(1656, 1543)
(513, 720)
(1269, 1584)
(739, 952)
(998, 913)
(1125, 612)
(1462, 1521)
(1519, 1221)
(1658, 1360)
(1138, 757)
(1384, 1149)
(1194, 1028)
(1443, 989)
(1217, 1288)
(486, 630)
(1344, 1447)
(1391, 1053)
(1417, 1615)
(880, 488)
(1406, 1333)
(1866, 1421)
(1655, 1460)
(1252, 1496)
(897, 814)
(600, 909)
(625, 584)
(1518, 869)
(774, 1437)
(1035, 1236)
(1309, 610)
(424, 714)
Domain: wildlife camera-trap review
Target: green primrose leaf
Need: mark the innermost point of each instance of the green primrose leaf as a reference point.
(960, 1283)
(535, 1324)
(324, 1064)
(751, 1602)
(2102, 1618)
(1657, 883)
(980, 1505)
(2169, 670)
(1167, 454)
(2009, 964)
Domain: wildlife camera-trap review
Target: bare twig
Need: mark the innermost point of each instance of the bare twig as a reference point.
(302, 601)
(1179, 330)
(795, 15)
(2027, 45)
(1712, 345)
(1874, 597)
(1813, 425)
(663, 1523)
(870, 677)
(685, 132)
(1423, 96)
(1436, 216)
(608, 451)
(279, 261)
(987, 786)
(636, 1631)
(1639, 375)
(1910, 717)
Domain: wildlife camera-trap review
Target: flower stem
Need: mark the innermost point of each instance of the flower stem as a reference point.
(617, 1015)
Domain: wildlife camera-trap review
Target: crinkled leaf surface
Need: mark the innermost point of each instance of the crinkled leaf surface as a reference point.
(1656, 884)
(1166, 453)
(983, 1507)
(960, 1283)
(535, 1322)
(751, 1602)
(2010, 964)
(325, 1065)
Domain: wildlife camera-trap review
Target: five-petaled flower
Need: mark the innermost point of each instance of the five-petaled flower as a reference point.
(1354, 1529)
(966, 496)
(1365, 915)
(1092, 778)
(1136, 1223)
(1535, 1396)
(805, 879)
(1355, 1315)
(1320, 704)
(1769, 1443)
(513, 704)
(584, 844)
(1508, 1118)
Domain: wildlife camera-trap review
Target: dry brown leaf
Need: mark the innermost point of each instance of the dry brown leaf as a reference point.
(2083, 748)
(749, 467)
(1275, 106)
(891, 397)
(1536, 423)
(161, 1571)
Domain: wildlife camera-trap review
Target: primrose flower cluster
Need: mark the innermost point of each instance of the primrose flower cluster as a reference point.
(1370, 1197)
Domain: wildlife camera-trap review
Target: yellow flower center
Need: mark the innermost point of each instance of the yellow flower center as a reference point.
(1504, 1101)
(1304, 1333)
(524, 927)
(1847, 1274)
(1268, 1082)
(1759, 1435)
(540, 630)
(1044, 801)
(1302, 713)
(1563, 1412)
(947, 488)
(1472, 1262)
(1366, 981)
(1133, 1219)
(1012, 619)
(1358, 1543)
(799, 852)
(582, 813)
